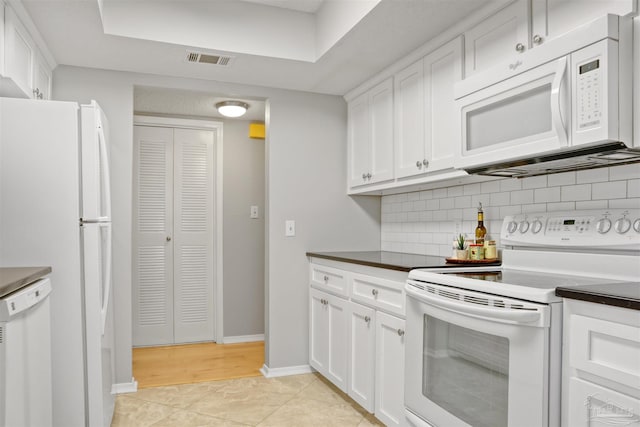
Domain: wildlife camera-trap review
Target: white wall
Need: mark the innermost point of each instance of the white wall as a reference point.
(305, 181)
(243, 237)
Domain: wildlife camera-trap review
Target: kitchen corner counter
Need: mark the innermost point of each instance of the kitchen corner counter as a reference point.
(625, 295)
(15, 278)
(383, 259)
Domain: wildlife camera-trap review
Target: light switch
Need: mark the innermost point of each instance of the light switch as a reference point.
(290, 228)
(254, 212)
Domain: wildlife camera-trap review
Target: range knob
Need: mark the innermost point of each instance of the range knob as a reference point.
(603, 225)
(524, 226)
(512, 227)
(536, 226)
(622, 225)
(636, 225)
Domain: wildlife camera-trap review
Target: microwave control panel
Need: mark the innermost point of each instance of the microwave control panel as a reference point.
(589, 91)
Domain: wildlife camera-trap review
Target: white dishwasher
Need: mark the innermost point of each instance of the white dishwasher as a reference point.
(25, 357)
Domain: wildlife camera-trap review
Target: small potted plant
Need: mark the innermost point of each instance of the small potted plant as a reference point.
(461, 247)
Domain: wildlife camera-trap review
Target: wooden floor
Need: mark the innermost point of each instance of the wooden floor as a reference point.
(193, 363)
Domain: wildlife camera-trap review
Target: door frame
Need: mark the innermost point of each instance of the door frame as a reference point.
(216, 127)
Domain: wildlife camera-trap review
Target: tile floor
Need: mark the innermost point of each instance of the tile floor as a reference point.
(298, 400)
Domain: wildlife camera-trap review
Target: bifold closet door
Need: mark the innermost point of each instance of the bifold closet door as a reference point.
(193, 230)
(173, 236)
(153, 228)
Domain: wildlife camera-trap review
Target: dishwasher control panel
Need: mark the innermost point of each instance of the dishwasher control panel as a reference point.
(19, 301)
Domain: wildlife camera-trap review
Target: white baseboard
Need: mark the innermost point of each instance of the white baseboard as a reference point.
(283, 372)
(242, 338)
(121, 388)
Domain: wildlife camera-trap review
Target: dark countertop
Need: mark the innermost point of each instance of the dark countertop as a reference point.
(626, 295)
(389, 260)
(15, 278)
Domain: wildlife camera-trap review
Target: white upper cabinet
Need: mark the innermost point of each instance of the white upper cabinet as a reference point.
(426, 135)
(24, 70)
(19, 53)
(42, 76)
(501, 35)
(409, 119)
(442, 69)
(526, 24)
(552, 18)
(371, 136)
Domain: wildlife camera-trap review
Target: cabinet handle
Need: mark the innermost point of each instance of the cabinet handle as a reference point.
(168, 238)
(326, 278)
(425, 162)
(400, 332)
(374, 292)
(367, 319)
(419, 164)
(364, 176)
(537, 39)
(368, 176)
(37, 94)
(520, 47)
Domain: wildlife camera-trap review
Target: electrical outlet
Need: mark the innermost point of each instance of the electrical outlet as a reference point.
(289, 228)
(254, 212)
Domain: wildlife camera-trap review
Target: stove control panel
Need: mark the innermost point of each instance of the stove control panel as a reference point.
(607, 228)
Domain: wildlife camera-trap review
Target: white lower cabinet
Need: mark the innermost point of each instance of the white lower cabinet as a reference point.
(328, 337)
(601, 365)
(389, 407)
(357, 341)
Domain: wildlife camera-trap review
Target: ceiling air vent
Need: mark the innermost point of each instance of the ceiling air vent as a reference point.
(204, 58)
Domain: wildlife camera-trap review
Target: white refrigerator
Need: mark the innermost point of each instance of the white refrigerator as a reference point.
(55, 211)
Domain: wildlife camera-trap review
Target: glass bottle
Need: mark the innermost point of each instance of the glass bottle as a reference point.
(481, 231)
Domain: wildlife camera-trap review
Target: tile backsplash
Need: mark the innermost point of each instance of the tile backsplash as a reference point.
(425, 222)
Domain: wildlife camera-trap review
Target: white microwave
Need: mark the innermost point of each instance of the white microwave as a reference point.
(576, 103)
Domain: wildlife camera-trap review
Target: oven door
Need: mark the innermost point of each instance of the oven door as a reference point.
(473, 359)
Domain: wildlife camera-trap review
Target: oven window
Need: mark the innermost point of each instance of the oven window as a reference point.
(466, 372)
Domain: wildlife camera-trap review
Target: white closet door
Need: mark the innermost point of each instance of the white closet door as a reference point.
(153, 226)
(193, 235)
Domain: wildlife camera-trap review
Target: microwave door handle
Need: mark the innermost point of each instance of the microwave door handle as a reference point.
(493, 314)
(556, 100)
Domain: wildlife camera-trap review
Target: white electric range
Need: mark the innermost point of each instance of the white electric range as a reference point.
(483, 345)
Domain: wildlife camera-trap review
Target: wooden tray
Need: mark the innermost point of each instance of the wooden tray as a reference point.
(472, 261)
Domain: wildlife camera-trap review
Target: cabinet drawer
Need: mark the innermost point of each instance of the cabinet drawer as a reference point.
(607, 349)
(329, 279)
(379, 293)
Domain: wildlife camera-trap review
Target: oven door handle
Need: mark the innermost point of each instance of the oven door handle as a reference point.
(504, 315)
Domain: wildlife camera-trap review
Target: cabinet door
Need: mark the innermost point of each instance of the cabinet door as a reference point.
(338, 318)
(19, 53)
(552, 18)
(591, 405)
(381, 144)
(318, 332)
(41, 78)
(359, 137)
(362, 355)
(409, 120)
(390, 369)
(497, 38)
(442, 69)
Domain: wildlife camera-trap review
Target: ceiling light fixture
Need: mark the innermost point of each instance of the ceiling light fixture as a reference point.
(232, 108)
